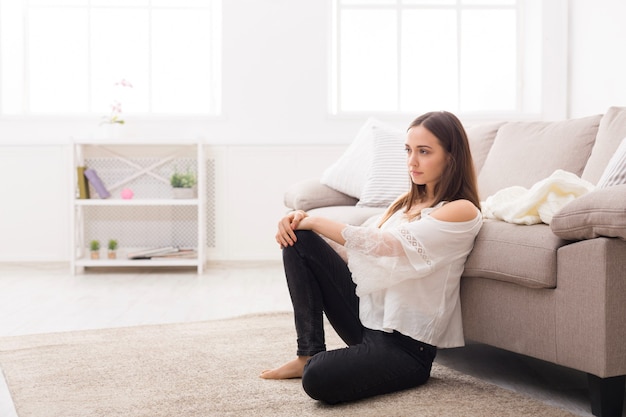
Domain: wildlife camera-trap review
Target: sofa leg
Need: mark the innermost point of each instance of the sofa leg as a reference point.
(607, 395)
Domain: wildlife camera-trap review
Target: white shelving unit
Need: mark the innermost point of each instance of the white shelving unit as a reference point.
(152, 218)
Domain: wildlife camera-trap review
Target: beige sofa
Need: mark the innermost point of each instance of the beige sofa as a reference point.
(554, 292)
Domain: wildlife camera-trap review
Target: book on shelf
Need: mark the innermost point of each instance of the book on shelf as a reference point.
(83, 187)
(97, 183)
(152, 252)
(181, 254)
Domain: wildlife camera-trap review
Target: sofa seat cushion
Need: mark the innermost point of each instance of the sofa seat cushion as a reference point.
(524, 255)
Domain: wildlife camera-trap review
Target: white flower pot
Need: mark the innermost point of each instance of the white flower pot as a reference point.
(184, 193)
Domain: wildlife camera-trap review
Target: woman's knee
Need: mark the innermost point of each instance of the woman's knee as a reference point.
(307, 244)
(315, 381)
(307, 237)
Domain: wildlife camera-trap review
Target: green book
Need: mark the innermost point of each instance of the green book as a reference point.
(83, 187)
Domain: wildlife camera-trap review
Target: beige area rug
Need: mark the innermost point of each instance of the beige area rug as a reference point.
(211, 369)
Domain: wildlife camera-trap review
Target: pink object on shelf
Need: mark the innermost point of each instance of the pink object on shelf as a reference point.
(127, 194)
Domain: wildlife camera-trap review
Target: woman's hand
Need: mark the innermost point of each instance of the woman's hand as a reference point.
(286, 226)
(300, 220)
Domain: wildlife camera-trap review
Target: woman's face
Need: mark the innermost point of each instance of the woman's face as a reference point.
(426, 158)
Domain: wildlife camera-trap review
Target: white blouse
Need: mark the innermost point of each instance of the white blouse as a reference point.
(407, 275)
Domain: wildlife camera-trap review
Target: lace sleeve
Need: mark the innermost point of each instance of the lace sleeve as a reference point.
(380, 259)
(371, 241)
(377, 258)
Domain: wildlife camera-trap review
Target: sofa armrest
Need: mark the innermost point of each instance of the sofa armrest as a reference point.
(599, 213)
(310, 194)
(591, 306)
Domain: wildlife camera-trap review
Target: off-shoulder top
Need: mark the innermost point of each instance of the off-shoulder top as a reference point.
(407, 275)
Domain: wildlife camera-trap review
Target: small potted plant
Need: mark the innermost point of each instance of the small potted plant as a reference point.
(94, 248)
(112, 246)
(183, 184)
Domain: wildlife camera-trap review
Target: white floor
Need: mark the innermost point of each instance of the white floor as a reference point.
(41, 298)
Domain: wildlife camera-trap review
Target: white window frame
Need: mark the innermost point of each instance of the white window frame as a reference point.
(216, 77)
(554, 68)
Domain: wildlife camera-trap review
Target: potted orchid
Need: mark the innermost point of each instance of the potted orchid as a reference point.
(114, 120)
(116, 114)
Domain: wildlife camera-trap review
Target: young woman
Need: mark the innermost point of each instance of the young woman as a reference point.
(397, 298)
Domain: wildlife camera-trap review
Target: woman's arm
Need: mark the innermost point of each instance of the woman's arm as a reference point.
(300, 220)
(326, 227)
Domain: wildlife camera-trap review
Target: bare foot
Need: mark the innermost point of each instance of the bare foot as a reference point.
(292, 369)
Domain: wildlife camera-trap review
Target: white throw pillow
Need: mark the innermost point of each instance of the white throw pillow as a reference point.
(349, 173)
(388, 177)
(615, 171)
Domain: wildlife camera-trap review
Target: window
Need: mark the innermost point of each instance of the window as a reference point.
(467, 56)
(74, 57)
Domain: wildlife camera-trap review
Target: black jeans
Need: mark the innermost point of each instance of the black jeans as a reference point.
(374, 362)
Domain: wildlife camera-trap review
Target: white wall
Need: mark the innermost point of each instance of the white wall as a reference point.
(34, 215)
(251, 181)
(597, 63)
(275, 96)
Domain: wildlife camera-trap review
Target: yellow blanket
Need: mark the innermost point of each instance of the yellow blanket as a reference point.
(539, 203)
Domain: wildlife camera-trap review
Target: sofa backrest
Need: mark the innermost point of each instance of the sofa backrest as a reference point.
(524, 153)
(610, 134)
(481, 139)
(505, 154)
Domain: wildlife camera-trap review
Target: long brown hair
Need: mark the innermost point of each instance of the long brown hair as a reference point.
(458, 180)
